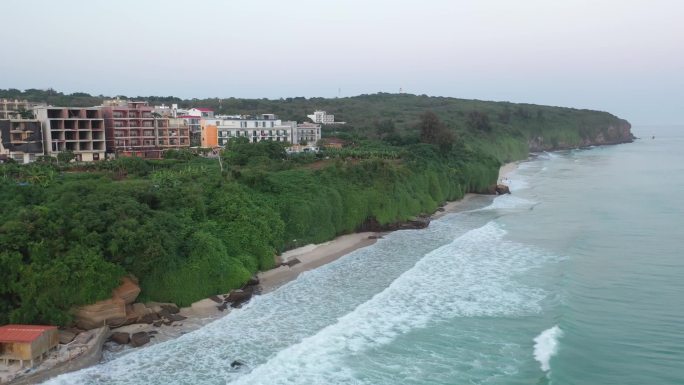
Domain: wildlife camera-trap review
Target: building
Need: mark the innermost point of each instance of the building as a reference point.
(12, 109)
(194, 124)
(209, 137)
(80, 130)
(263, 127)
(21, 140)
(205, 113)
(133, 129)
(193, 118)
(322, 117)
(307, 133)
(26, 342)
(166, 111)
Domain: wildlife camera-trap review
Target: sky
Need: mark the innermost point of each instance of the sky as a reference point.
(621, 56)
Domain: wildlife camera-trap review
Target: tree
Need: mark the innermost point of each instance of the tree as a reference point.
(430, 127)
(433, 131)
(65, 156)
(478, 120)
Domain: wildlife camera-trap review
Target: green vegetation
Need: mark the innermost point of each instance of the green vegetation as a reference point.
(187, 228)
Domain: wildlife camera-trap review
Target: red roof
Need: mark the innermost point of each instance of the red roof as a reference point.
(22, 333)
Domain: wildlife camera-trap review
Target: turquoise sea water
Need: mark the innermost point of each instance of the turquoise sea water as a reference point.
(575, 278)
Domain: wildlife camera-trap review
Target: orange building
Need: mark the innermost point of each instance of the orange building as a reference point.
(209, 135)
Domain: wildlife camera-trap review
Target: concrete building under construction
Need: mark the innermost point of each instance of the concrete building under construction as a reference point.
(80, 130)
(20, 140)
(13, 108)
(133, 129)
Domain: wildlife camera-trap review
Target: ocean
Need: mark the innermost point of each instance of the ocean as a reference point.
(577, 277)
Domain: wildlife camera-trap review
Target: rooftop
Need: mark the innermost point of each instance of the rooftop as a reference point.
(22, 333)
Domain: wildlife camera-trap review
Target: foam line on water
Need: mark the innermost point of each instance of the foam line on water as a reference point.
(546, 346)
(472, 276)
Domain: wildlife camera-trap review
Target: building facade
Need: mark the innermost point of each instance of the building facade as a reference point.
(321, 117)
(21, 140)
(263, 127)
(307, 133)
(133, 129)
(26, 342)
(12, 109)
(79, 130)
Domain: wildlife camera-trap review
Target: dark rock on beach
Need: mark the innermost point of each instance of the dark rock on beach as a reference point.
(291, 262)
(238, 297)
(139, 339)
(176, 317)
(498, 189)
(372, 224)
(120, 338)
(216, 299)
(502, 189)
(149, 318)
(237, 364)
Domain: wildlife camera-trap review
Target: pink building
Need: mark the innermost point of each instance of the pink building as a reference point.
(133, 129)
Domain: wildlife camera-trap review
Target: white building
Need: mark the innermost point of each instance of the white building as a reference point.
(321, 117)
(204, 113)
(263, 127)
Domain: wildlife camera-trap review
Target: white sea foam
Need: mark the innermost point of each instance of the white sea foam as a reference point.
(509, 202)
(546, 346)
(471, 277)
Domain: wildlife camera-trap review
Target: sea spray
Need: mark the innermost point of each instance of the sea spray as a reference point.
(546, 346)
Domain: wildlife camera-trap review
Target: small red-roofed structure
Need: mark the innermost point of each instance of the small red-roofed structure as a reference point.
(26, 342)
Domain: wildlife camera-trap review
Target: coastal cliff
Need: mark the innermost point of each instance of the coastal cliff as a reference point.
(614, 133)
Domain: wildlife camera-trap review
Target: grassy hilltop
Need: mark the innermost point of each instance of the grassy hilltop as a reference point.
(187, 230)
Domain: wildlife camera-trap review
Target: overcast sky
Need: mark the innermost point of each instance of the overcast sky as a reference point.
(622, 56)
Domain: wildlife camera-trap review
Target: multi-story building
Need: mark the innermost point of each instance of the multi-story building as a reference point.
(322, 117)
(263, 127)
(20, 140)
(307, 133)
(11, 109)
(133, 129)
(80, 130)
(194, 124)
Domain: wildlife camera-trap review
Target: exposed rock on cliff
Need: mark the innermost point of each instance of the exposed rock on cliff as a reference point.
(371, 224)
(613, 133)
(110, 311)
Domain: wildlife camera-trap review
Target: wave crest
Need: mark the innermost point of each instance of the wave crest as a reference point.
(546, 346)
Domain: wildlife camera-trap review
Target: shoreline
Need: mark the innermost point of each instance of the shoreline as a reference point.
(292, 264)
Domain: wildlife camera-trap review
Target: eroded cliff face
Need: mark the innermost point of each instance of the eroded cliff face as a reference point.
(615, 133)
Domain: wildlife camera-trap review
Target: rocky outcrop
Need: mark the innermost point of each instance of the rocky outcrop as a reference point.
(122, 310)
(615, 132)
(110, 312)
(107, 312)
(371, 224)
(498, 189)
